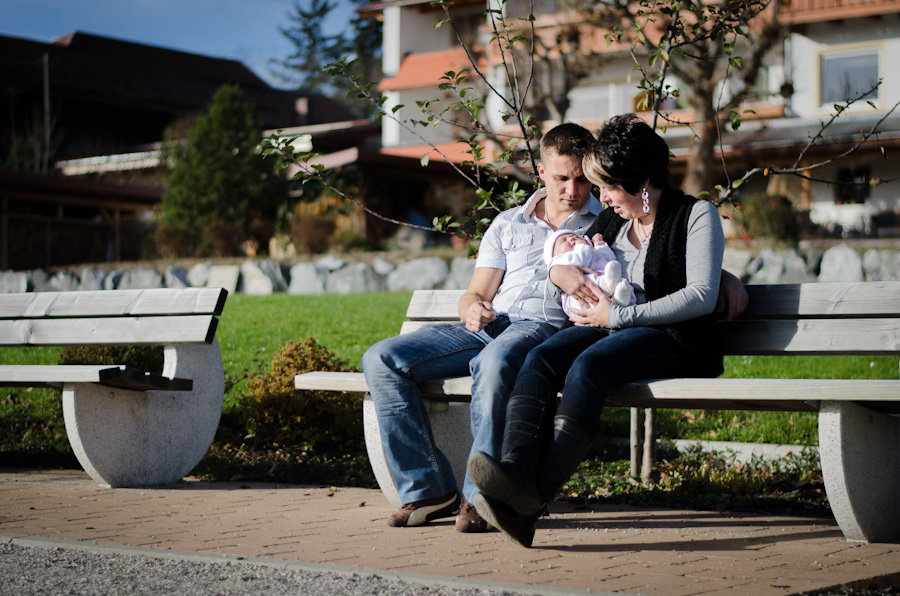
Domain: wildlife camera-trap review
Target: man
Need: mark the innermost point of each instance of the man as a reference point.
(506, 311)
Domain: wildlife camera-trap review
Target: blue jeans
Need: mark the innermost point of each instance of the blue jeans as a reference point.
(395, 366)
(585, 362)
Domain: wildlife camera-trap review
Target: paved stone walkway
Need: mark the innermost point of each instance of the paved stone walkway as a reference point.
(608, 548)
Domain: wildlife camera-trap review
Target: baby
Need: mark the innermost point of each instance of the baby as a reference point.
(565, 247)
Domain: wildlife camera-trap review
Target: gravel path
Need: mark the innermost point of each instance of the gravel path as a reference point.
(33, 570)
(83, 571)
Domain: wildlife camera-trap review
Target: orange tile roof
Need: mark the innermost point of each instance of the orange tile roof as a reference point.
(425, 69)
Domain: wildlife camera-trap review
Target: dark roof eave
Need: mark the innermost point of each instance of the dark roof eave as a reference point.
(19, 185)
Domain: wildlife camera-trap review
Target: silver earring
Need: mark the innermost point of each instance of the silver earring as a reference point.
(645, 199)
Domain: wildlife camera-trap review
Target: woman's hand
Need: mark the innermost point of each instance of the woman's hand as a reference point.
(598, 316)
(733, 298)
(573, 280)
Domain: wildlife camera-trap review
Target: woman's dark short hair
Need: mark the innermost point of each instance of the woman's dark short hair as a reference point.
(628, 153)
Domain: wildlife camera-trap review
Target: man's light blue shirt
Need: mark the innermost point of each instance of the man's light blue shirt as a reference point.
(514, 242)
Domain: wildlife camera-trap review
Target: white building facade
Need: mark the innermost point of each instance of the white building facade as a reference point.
(833, 50)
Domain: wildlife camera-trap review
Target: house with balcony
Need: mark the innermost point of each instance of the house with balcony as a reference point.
(832, 51)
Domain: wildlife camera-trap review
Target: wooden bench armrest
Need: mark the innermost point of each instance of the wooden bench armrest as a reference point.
(124, 377)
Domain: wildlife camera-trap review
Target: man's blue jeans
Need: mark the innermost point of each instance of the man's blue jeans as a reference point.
(393, 369)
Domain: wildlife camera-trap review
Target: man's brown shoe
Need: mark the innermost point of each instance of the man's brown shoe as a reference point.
(469, 522)
(420, 512)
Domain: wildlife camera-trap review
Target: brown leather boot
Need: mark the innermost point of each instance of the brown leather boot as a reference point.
(470, 522)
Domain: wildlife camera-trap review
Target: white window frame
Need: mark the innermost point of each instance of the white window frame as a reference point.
(850, 51)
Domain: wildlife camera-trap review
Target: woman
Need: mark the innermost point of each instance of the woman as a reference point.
(670, 246)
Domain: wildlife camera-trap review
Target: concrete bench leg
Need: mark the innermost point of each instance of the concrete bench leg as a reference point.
(451, 434)
(860, 453)
(128, 438)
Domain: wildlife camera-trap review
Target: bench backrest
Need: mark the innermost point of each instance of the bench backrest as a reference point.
(111, 317)
(799, 319)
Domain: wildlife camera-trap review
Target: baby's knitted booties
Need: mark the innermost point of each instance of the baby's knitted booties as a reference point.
(624, 294)
(619, 290)
(612, 275)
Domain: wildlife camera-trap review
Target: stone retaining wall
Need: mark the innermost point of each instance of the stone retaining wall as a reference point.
(331, 274)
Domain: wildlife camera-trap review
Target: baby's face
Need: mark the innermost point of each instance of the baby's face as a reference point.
(566, 243)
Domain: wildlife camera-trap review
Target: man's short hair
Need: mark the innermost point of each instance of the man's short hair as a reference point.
(568, 140)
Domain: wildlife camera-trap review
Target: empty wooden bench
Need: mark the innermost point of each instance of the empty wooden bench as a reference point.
(127, 427)
(859, 434)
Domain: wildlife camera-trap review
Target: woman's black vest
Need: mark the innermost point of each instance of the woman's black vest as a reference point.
(665, 273)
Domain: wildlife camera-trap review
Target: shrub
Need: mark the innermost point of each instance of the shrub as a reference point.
(260, 232)
(767, 216)
(294, 466)
(32, 430)
(145, 358)
(169, 241)
(220, 239)
(312, 233)
(791, 485)
(348, 241)
(277, 414)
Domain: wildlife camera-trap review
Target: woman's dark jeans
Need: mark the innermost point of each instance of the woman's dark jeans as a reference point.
(587, 361)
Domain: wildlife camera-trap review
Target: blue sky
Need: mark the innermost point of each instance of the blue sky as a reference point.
(244, 30)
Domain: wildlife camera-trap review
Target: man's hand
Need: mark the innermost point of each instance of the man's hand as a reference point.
(573, 280)
(733, 297)
(479, 314)
(475, 307)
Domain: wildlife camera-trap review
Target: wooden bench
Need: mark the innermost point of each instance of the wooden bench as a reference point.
(128, 427)
(859, 436)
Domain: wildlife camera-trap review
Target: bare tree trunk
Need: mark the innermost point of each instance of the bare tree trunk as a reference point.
(702, 156)
(701, 159)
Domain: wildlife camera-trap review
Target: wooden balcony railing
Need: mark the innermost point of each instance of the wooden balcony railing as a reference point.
(814, 11)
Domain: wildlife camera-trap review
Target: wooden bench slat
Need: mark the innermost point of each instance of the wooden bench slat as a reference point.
(434, 305)
(194, 329)
(806, 337)
(757, 394)
(332, 381)
(874, 299)
(56, 375)
(837, 299)
(812, 337)
(185, 301)
(730, 394)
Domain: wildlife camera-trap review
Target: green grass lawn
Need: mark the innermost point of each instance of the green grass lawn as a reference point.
(252, 327)
(347, 324)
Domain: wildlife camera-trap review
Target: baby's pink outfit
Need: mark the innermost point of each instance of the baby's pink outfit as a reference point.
(598, 257)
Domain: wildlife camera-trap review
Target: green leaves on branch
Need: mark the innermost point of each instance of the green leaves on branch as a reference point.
(294, 151)
(735, 117)
(656, 55)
